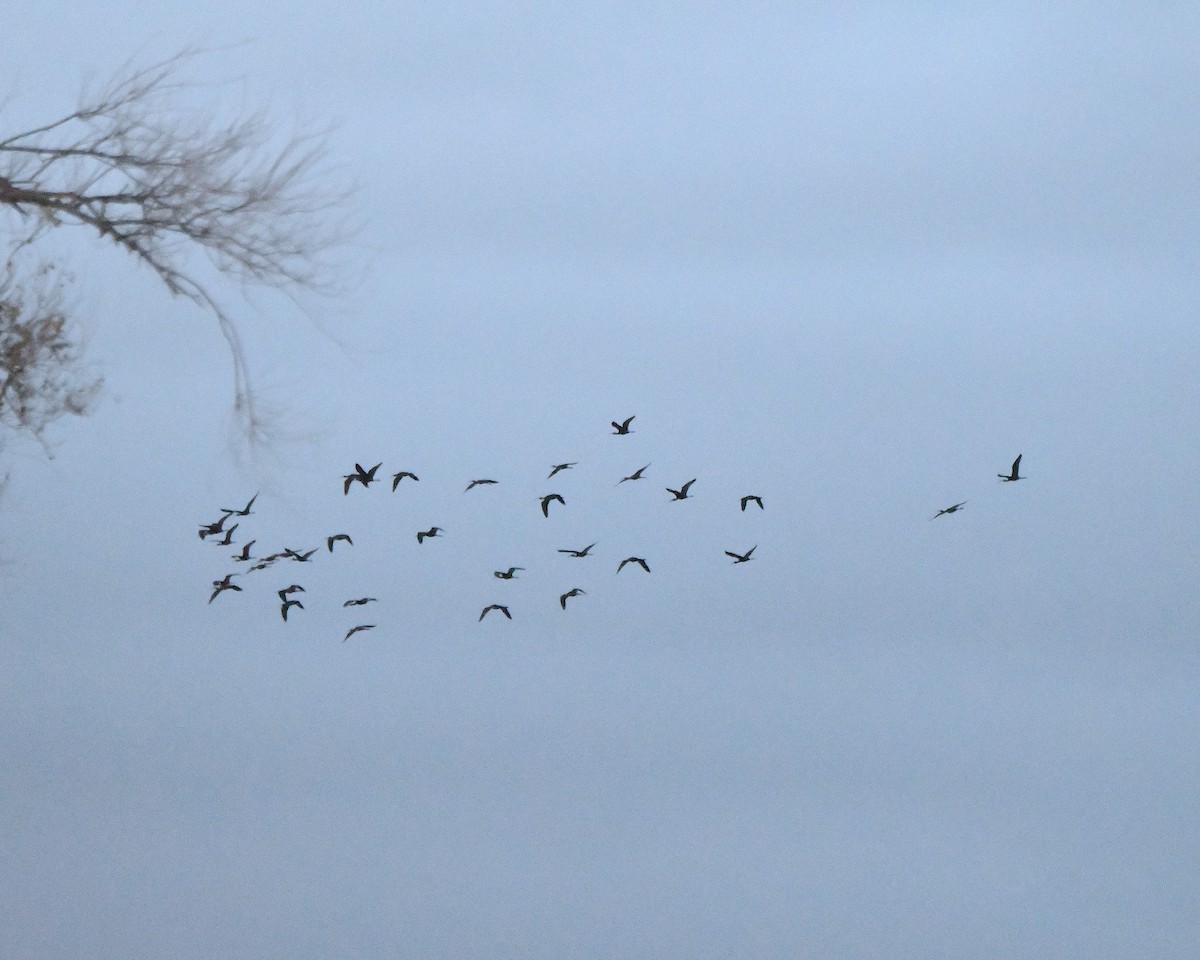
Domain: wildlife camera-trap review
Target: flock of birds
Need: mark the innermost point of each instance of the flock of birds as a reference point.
(222, 530)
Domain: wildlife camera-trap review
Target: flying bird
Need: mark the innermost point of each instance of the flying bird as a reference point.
(365, 477)
(682, 492)
(228, 541)
(947, 510)
(495, 606)
(299, 557)
(479, 483)
(431, 532)
(245, 554)
(546, 502)
(212, 529)
(579, 553)
(294, 588)
(361, 601)
(353, 630)
(287, 605)
(1012, 476)
(508, 574)
(397, 477)
(751, 498)
(645, 566)
(636, 475)
(574, 592)
(561, 466)
(244, 512)
(223, 584)
(330, 541)
(741, 557)
(621, 429)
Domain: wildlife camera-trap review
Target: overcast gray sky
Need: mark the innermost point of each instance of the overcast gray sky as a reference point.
(852, 258)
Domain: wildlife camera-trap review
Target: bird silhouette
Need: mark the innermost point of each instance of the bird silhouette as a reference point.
(638, 560)
(495, 606)
(508, 574)
(212, 529)
(741, 557)
(361, 601)
(287, 605)
(636, 475)
(621, 429)
(682, 492)
(751, 498)
(244, 512)
(294, 588)
(223, 584)
(431, 532)
(1012, 476)
(574, 592)
(299, 557)
(952, 509)
(245, 554)
(330, 541)
(479, 483)
(228, 541)
(558, 467)
(397, 477)
(365, 477)
(353, 630)
(546, 502)
(579, 553)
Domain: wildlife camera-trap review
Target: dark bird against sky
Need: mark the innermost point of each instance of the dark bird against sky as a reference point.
(397, 477)
(574, 592)
(244, 512)
(353, 630)
(682, 492)
(636, 475)
(952, 509)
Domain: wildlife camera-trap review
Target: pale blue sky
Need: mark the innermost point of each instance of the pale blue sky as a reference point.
(853, 260)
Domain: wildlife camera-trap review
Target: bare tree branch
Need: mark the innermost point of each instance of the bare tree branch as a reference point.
(41, 373)
(163, 184)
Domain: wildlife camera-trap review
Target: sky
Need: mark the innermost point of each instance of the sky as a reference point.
(850, 258)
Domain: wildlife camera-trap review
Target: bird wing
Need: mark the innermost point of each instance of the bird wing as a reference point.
(687, 485)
